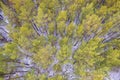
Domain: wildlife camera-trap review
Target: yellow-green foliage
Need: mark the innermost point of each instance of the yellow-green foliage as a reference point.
(69, 31)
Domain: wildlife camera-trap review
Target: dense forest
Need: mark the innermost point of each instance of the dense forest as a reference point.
(59, 39)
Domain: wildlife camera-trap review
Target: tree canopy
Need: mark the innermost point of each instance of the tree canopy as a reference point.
(62, 39)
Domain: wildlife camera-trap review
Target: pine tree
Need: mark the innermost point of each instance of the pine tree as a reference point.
(53, 33)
